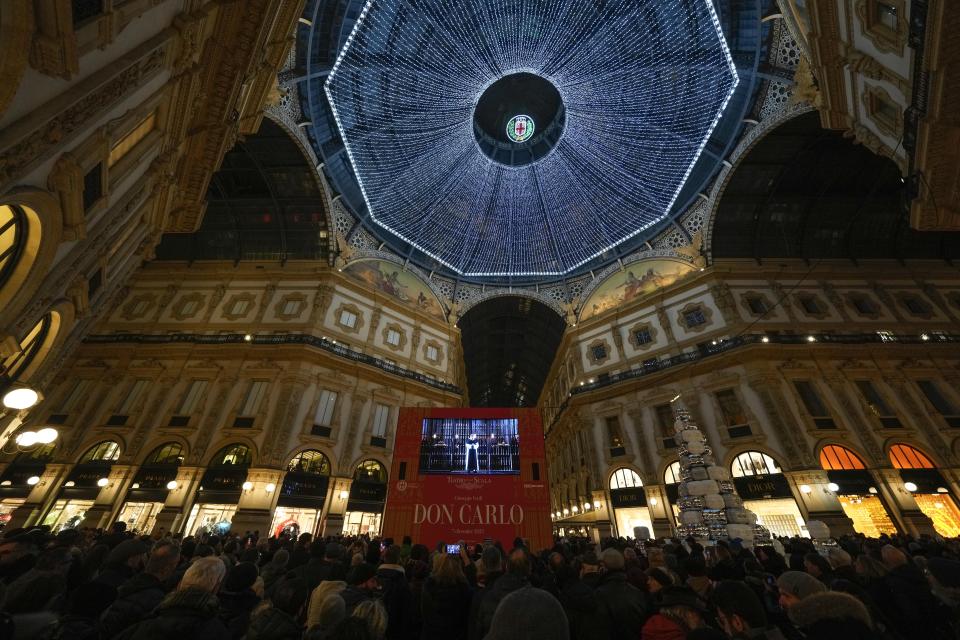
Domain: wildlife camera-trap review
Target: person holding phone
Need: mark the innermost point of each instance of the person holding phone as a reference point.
(445, 601)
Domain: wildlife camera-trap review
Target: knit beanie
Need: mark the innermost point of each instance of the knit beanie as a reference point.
(529, 614)
(800, 584)
(241, 576)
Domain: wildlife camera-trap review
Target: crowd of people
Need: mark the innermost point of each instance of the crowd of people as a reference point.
(96, 585)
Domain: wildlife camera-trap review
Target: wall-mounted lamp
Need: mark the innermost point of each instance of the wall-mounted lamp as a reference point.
(833, 486)
(32, 480)
(575, 509)
(654, 502)
(805, 488)
(21, 397)
(942, 490)
(597, 504)
(909, 486)
(566, 511)
(872, 490)
(764, 339)
(586, 506)
(344, 495)
(172, 485)
(270, 487)
(31, 438)
(102, 482)
(71, 483)
(248, 338)
(247, 485)
(135, 485)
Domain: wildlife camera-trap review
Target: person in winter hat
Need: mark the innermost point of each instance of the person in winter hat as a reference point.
(529, 614)
(796, 586)
(833, 615)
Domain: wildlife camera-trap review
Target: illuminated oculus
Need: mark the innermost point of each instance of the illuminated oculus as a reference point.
(520, 128)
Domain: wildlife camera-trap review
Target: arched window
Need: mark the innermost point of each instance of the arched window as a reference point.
(624, 479)
(903, 456)
(754, 463)
(672, 474)
(836, 458)
(15, 364)
(106, 451)
(310, 461)
(233, 455)
(370, 471)
(42, 453)
(170, 453)
(13, 237)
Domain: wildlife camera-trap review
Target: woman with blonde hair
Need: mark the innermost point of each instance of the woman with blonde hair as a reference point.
(445, 602)
(326, 608)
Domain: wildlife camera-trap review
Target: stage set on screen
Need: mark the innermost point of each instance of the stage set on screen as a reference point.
(471, 475)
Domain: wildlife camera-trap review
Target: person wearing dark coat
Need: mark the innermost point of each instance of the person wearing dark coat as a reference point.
(580, 603)
(274, 570)
(140, 595)
(590, 569)
(445, 601)
(912, 608)
(516, 577)
(80, 620)
(396, 595)
(190, 612)
(492, 562)
(237, 598)
(124, 561)
(361, 585)
(625, 608)
(281, 621)
(315, 570)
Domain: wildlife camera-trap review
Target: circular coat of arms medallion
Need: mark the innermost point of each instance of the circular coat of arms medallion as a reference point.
(520, 128)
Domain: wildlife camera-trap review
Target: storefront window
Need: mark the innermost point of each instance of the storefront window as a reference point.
(847, 470)
(765, 491)
(932, 494)
(210, 518)
(67, 514)
(293, 521)
(629, 502)
(140, 516)
(357, 523)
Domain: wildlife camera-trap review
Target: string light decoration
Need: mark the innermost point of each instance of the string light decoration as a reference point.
(643, 84)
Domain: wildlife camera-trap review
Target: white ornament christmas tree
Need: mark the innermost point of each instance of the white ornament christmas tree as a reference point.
(710, 508)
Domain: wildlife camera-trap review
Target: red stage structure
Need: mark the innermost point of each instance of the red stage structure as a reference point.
(469, 474)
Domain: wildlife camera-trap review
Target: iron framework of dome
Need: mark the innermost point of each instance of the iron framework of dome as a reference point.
(640, 130)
